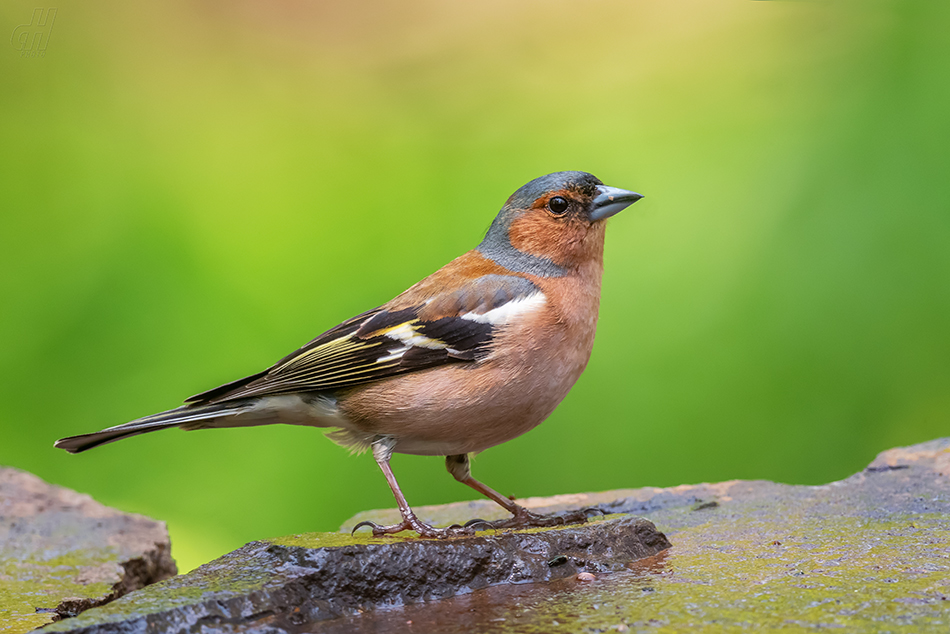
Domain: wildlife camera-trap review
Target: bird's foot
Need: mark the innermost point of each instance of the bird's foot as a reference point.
(523, 518)
(411, 524)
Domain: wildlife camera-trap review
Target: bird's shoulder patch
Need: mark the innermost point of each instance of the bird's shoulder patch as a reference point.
(492, 299)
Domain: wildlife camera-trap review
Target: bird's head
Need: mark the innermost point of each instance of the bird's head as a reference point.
(554, 223)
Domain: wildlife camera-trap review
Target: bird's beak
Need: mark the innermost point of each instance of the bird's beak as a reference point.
(610, 201)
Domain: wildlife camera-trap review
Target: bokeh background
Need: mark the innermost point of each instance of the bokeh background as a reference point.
(191, 190)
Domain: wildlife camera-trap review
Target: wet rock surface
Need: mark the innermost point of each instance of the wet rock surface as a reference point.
(62, 552)
(869, 553)
(292, 583)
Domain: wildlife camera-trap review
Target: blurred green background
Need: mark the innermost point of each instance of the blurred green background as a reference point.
(191, 190)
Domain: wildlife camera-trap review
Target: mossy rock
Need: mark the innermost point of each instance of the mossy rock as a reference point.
(870, 553)
(62, 552)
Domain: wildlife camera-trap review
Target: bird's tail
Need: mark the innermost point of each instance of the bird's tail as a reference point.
(187, 417)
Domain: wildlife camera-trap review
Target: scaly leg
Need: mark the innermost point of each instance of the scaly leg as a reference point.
(460, 468)
(382, 452)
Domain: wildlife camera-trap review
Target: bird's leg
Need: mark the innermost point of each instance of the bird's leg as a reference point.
(460, 468)
(382, 452)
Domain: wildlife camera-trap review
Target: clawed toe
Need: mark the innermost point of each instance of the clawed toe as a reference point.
(524, 518)
(361, 525)
(424, 530)
(379, 529)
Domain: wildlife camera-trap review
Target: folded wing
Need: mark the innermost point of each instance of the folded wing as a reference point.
(409, 334)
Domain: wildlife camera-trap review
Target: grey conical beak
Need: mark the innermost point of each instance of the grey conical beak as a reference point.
(610, 201)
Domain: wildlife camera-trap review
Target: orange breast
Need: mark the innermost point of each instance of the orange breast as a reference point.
(462, 408)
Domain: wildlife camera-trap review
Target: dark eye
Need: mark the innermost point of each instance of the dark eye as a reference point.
(558, 205)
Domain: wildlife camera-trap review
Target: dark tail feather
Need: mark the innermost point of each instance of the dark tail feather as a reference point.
(187, 416)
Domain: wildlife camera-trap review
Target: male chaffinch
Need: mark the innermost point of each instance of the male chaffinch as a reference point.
(476, 354)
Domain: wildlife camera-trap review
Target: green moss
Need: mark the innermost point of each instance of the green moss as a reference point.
(42, 581)
(337, 540)
(841, 573)
(221, 579)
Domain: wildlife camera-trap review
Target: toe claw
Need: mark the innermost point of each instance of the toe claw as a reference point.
(365, 523)
(593, 510)
(472, 522)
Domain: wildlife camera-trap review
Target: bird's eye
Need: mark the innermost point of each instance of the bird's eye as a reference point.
(558, 205)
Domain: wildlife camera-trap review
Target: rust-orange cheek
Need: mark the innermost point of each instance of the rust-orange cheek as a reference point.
(539, 234)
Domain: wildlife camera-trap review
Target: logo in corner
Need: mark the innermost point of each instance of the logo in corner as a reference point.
(33, 38)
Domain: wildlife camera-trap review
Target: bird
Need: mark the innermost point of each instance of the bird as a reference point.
(472, 356)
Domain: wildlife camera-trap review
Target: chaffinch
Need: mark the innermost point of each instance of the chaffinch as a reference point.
(476, 354)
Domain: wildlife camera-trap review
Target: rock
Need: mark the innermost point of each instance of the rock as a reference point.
(282, 584)
(869, 553)
(62, 552)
